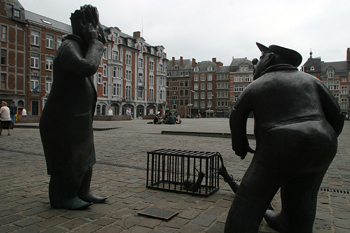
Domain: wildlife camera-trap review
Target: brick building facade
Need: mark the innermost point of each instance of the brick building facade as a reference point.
(13, 44)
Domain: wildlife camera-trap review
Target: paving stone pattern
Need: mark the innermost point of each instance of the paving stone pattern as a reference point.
(120, 173)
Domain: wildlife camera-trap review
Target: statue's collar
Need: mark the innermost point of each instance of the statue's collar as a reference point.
(279, 67)
(72, 37)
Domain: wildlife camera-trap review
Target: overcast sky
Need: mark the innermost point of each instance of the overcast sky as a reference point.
(223, 29)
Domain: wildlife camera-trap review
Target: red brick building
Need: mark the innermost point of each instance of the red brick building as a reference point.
(12, 40)
(335, 75)
(44, 36)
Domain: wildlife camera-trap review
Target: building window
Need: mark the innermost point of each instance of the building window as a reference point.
(151, 95)
(210, 95)
(128, 59)
(161, 95)
(195, 95)
(34, 83)
(140, 78)
(160, 67)
(34, 61)
(344, 103)
(49, 41)
(196, 78)
(151, 80)
(104, 70)
(140, 92)
(196, 69)
(59, 42)
(128, 75)
(151, 65)
(186, 83)
(312, 68)
(202, 104)
(209, 86)
(114, 73)
(16, 13)
(99, 78)
(210, 68)
(128, 92)
(203, 77)
(140, 62)
(209, 104)
(34, 38)
(3, 33)
(202, 95)
(210, 77)
(330, 73)
(3, 84)
(344, 90)
(3, 57)
(195, 86)
(105, 54)
(115, 55)
(104, 88)
(202, 86)
(114, 89)
(49, 62)
(119, 72)
(48, 83)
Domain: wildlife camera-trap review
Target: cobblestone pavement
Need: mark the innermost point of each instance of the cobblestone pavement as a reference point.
(120, 173)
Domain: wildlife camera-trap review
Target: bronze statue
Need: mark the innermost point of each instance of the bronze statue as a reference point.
(297, 122)
(66, 122)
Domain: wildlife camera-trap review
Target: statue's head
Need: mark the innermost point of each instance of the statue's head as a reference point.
(274, 55)
(87, 15)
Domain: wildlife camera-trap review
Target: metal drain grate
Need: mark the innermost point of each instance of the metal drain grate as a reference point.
(335, 190)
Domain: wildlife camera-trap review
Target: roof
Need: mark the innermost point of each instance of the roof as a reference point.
(45, 21)
(240, 61)
(340, 67)
(223, 69)
(205, 64)
(186, 64)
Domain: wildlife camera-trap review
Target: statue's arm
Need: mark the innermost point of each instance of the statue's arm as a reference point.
(331, 108)
(238, 126)
(73, 61)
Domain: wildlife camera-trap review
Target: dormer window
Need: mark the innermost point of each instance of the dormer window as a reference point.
(330, 73)
(243, 68)
(210, 68)
(16, 13)
(196, 69)
(312, 68)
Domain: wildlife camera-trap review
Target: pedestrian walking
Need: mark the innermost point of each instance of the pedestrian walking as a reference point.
(6, 122)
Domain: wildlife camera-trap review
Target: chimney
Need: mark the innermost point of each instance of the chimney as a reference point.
(137, 34)
(348, 54)
(193, 62)
(214, 59)
(181, 61)
(173, 62)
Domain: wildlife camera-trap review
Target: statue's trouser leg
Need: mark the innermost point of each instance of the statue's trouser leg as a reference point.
(254, 194)
(84, 191)
(63, 192)
(299, 199)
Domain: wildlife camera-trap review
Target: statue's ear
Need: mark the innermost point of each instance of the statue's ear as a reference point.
(270, 59)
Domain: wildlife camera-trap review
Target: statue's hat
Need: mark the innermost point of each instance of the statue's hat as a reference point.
(293, 57)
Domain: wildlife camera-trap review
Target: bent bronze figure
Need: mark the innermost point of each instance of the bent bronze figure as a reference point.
(66, 122)
(297, 122)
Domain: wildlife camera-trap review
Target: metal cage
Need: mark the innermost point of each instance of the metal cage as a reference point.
(183, 171)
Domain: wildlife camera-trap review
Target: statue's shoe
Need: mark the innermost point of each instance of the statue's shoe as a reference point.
(90, 197)
(272, 219)
(72, 204)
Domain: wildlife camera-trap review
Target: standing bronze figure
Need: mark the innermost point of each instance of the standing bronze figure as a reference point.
(297, 122)
(66, 122)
